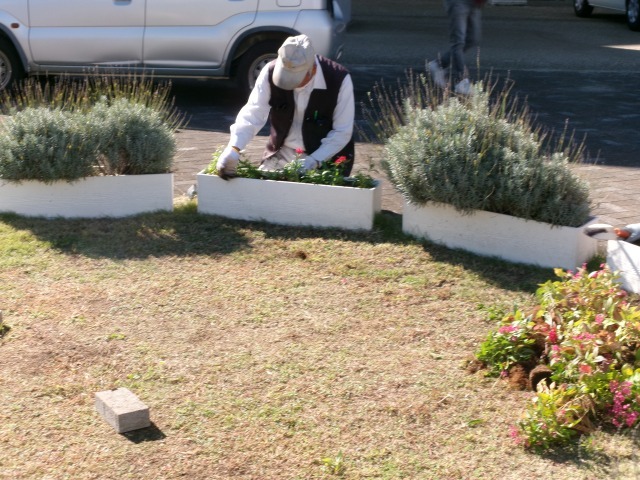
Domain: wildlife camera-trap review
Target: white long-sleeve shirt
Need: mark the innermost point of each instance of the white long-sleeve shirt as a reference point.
(253, 116)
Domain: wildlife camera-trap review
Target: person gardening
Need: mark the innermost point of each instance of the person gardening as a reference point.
(309, 102)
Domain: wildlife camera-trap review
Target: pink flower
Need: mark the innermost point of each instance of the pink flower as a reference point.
(594, 274)
(553, 336)
(584, 336)
(506, 329)
(631, 418)
(585, 369)
(625, 389)
(514, 433)
(340, 160)
(621, 412)
(299, 151)
(599, 318)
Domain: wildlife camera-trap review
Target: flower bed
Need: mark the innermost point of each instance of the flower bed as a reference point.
(586, 333)
(289, 203)
(322, 197)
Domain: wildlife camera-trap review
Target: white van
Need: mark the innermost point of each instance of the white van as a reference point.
(166, 38)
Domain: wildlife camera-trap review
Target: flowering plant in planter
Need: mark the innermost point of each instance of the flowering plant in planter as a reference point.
(316, 198)
(586, 333)
(331, 172)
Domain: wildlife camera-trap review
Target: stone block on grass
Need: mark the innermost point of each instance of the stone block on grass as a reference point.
(123, 410)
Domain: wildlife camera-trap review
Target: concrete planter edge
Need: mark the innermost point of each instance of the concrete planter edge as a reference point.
(495, 235)
(289, 203)
(90, 197)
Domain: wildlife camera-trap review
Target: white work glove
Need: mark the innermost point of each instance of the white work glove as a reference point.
(228, 163)
(309, 163)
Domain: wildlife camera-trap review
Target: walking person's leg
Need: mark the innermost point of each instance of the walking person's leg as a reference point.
(458, 12)
(462, 85)
(474, 29)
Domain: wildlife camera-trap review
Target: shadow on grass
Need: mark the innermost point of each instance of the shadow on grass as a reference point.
(500, 273)
(388, 229)
(149, 434)
(593, 461)
(614, 457)
(184, 232)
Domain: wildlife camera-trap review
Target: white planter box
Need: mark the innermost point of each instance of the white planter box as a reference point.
(289, 203)
(624, 258)
(91, 197)
(496, 235)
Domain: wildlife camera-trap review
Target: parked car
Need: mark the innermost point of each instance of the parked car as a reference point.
(166, 38)
(631, 8)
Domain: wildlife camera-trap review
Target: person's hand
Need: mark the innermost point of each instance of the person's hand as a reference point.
(309, 163)
(228, 163)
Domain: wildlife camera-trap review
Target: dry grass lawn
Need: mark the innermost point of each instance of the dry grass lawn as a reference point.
(263, 353)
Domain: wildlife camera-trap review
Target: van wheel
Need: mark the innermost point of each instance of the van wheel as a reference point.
(10, 67)
(582, 8)
(633, 15)
(253, 61)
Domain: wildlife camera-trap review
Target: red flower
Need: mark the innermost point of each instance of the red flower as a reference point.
(340, 160)
(299, 151)
(553, 336)
(585, 369)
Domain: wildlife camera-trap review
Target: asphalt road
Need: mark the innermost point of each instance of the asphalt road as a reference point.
(571, 71)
